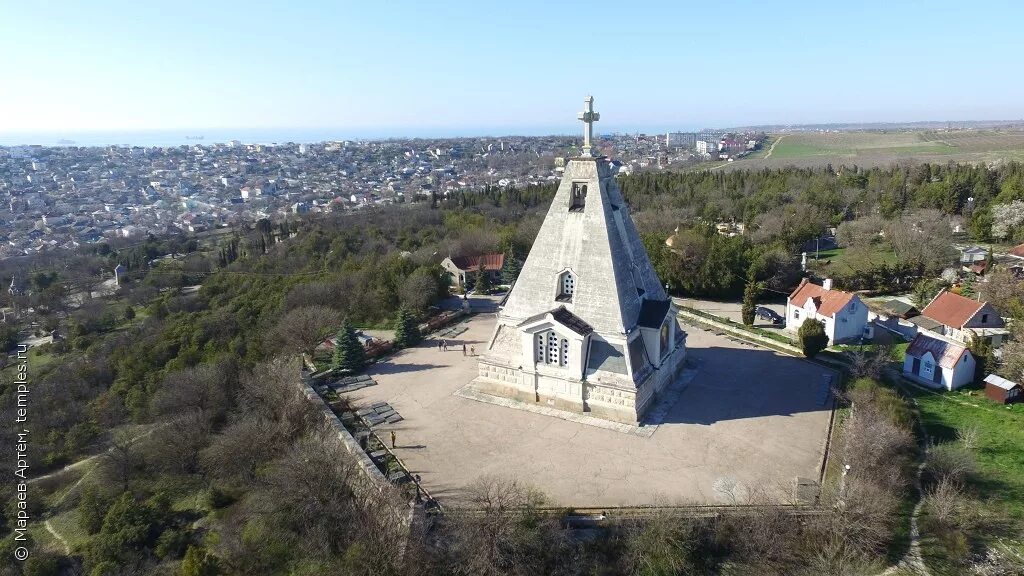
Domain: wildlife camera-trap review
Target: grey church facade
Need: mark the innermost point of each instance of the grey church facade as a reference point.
(587, 326)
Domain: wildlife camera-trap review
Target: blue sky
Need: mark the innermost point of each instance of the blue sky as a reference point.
(394, 67)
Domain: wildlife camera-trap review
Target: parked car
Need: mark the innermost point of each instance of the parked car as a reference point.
(768, 314)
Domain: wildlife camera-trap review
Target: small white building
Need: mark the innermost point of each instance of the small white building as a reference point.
(843, 313)
(938, 362)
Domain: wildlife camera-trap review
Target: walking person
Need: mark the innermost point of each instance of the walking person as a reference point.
(439, 343)
(393, 436)
(463, 348)
(472, 350)
(444, 345)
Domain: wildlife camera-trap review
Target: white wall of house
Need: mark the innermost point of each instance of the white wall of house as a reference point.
(847, 324)
(951, 378)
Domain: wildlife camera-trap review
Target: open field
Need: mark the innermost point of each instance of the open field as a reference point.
(806, 149)
(837, 260)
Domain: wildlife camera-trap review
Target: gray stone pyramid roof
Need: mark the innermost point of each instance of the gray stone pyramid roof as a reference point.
(599, 244)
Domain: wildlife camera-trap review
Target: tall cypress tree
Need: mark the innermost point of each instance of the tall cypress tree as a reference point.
(407, 331)
(349, 355)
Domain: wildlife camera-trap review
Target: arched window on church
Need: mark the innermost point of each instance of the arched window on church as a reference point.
(566, 286)
(551, 349)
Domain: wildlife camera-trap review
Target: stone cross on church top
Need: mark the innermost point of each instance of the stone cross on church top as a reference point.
(588, 116)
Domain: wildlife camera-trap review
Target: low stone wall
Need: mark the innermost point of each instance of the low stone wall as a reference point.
(372, 475)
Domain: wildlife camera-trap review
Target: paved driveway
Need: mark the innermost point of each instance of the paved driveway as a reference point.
(750, 421)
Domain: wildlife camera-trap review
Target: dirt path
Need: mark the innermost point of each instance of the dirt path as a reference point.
(87, 459)
(912, 561)
(772, 148)
(55, 534)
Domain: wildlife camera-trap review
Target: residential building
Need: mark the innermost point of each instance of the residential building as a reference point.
(681, 140)
(972, 255)
(459, 268)
(959, 318)
(938, 362)
(843, 313)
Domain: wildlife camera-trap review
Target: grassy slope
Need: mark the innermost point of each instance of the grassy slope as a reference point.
(997, 492)
(1000, 450)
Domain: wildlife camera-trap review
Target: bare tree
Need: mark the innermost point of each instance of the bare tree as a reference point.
(301, 329)
(122, 460)
(489, 540)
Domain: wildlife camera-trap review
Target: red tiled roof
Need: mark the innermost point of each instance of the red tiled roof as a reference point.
(492, 262)
(828, 302)
(1018, 251)
(946, 353)
(951, 309)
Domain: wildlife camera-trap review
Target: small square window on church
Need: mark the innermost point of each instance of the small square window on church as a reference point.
(579, 197)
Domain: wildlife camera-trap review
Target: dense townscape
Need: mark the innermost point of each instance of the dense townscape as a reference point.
(63, 197)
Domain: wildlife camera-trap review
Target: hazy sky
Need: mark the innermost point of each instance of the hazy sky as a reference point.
(521, 66)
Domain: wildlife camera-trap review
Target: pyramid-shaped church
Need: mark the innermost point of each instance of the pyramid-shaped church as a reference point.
(587, 326)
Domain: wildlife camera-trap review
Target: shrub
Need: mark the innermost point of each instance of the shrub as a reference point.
(950, 462)
(812, 337)
(172, 543)
(219, 498)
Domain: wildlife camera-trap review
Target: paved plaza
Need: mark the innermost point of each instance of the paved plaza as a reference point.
(749, 420)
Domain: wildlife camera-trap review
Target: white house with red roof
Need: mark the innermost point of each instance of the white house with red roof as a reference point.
(843, 313)
(938, 362)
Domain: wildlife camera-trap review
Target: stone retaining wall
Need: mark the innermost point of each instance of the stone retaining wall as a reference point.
(369, 471)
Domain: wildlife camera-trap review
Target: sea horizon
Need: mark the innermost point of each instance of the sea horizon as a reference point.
(201, 136)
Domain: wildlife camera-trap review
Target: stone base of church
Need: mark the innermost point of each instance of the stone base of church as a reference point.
(657, 382)
(617, 403)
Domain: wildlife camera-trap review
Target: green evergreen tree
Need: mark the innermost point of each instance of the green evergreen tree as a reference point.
(482, 283)
(512, 268)
(349, 354)
(407, 330)
(967, 287)
(751, 292)
(812, 337)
